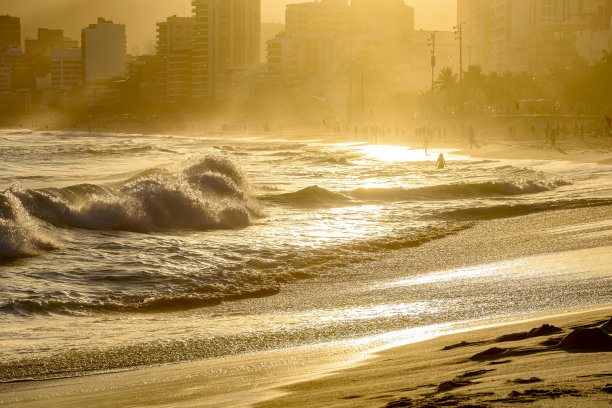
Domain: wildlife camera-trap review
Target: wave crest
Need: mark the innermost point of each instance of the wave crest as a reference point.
(209, 194)
(309, 196)
(460, 190)
(316, 196)
(20, 235)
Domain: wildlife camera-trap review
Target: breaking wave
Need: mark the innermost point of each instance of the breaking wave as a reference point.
(256, 275)
(320, 197)
(20, 234)
(211, 193)
(459, 190)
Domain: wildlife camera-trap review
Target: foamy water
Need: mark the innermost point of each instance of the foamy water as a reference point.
(125, 250)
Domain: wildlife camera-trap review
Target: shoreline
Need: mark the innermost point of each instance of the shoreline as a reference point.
(413, 371)
(70, 392)
(478, 367)
(491, 145)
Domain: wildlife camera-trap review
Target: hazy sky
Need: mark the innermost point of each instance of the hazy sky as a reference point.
(140, 15)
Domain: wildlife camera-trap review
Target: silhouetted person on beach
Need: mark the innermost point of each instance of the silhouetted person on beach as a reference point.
(472, 136)
(553, 137)
(441, 163)
(547, 133)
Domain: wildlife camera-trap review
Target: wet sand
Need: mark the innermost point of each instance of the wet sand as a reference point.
(524, 362)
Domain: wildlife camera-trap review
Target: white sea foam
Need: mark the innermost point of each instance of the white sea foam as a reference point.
(20, 234)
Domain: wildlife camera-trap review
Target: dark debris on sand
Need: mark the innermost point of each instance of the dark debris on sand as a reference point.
(500, 362)
(526, 380)
(453, 384)
(461, 380)
(455, 400)
(535, 394)
(543, 330)
(464, 344)
(472, 374)
(587, 340)
(491, 353)
(607, 326)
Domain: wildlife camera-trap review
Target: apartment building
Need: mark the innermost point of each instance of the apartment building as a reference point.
(174, 42)
(530, 35)
(225, 42)
(10, 32)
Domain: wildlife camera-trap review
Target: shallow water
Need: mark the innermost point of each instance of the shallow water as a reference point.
(122, 250)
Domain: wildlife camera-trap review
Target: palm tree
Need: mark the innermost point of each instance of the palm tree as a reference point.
(447, 80)
(473, 80)
(605, 70)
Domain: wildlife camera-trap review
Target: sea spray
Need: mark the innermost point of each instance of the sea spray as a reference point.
(209, 194)
(20, 234)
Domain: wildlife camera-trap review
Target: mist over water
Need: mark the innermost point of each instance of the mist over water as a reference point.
(105, 227)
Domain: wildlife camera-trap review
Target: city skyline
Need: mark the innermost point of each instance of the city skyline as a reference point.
(347, 53)
(141, 21)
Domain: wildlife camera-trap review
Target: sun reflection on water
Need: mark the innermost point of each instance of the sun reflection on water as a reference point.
(387, 153)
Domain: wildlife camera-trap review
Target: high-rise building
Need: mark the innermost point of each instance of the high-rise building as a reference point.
(66, 75)
(324, 17)
(385, 19)
(141, 87)
(174, 43)
(324, 35)
(5, 79)
(47, 41)
(268, 32)
(528, 35)
(226, 40)
(67, 69)
(38, 51)
(10, 32)
(104, 51)
(21, 75)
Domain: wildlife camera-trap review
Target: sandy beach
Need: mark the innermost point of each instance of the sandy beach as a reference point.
(524, 362)
(535, 370)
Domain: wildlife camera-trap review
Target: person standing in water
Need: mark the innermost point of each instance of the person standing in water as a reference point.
(441, 163)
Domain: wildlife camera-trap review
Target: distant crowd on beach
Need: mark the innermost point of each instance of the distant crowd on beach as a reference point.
(551, 131)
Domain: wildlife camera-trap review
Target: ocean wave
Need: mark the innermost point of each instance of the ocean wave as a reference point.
(316, 196)
(334, 160)
(153, 303)
(514, 210)
(20, 234)
(210, 193)
(310, 196)
(118, 150)
(459, 190)
(264, 147)
(259, 275)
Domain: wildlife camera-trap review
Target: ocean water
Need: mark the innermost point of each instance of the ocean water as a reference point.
(128, 250)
